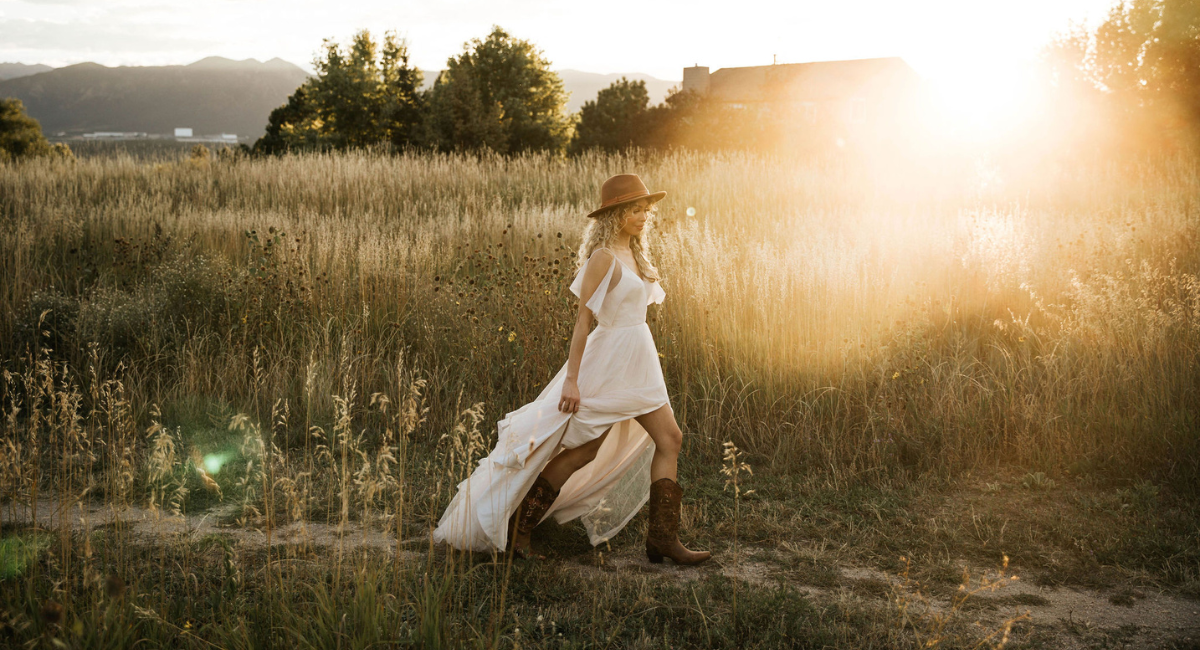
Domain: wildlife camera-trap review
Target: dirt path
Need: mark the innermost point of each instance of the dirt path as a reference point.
(151, 525)
(1061, 617)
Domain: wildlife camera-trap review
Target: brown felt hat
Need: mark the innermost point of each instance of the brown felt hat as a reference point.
(622, 189)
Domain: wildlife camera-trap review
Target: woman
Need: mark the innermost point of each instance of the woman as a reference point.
(601, 438)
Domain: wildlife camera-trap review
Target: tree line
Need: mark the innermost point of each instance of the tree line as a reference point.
(498, 94)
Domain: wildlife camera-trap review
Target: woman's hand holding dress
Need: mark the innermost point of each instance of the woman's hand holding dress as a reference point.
(569, 402)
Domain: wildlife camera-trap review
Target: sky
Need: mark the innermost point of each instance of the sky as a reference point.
(946, 41)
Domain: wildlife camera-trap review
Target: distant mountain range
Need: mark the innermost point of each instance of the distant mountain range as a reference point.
(14, 70)
(212, 95)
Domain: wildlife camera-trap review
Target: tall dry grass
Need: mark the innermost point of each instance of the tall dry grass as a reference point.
(837, 316)
(326, 340)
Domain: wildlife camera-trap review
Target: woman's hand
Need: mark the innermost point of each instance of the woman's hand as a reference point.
(569, 402)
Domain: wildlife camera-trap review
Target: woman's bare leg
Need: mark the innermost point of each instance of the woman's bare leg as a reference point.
(568, 461)
(668, 440)
(666, 497)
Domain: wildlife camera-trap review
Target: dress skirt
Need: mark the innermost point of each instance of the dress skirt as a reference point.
(620, 378)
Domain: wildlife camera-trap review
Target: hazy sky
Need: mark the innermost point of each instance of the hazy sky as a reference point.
(945, 40)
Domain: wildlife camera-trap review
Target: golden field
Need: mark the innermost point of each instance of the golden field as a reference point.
(330, 338)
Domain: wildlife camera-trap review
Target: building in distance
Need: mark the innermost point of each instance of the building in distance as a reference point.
(227, 138)
(113, 135)
(841, 99)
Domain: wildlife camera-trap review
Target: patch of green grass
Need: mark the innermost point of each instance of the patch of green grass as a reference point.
(19, 550)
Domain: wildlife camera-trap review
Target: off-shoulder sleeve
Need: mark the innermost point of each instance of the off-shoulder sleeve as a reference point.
(655, 295)
(597, 300)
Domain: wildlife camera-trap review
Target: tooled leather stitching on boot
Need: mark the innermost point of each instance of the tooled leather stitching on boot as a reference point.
(665, 502)
(662, 536)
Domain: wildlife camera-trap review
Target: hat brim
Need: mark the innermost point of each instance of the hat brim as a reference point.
(654, 197)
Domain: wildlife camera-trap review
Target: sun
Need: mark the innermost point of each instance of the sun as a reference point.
(983, 106)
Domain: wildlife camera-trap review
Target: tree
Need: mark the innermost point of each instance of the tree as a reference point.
(362, 95)
(1175, 56)
(616, 119)
(499, 94)
(403, 104)
(1140, 69)
(696, 121)
(290, 126)
(458, 117)
(21, 135)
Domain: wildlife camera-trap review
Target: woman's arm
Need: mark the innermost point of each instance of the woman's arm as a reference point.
(597, 268)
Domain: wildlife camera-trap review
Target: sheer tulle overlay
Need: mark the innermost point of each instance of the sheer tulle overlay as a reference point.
(619, 379)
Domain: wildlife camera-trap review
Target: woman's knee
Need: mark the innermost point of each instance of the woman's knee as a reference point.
(670, 440)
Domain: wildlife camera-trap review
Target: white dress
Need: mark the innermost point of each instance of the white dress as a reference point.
(619, 379)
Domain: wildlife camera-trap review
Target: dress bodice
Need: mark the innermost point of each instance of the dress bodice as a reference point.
(622, 296)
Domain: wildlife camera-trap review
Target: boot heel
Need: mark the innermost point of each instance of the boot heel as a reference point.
(654, 558)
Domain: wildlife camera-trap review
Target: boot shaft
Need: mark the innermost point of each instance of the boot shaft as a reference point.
(666, 499)
(662, 537)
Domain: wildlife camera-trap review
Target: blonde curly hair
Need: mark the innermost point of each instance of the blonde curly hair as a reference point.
(603, 228)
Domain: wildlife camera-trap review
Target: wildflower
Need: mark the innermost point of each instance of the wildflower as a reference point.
(1021, 339)
(547, 292)
(896, 376)
(512, 336)
(661, 356)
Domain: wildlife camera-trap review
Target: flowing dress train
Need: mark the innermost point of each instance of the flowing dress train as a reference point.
(619, 379)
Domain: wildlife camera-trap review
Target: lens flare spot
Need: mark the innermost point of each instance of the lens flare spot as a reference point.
(691, 212)
(213, 463)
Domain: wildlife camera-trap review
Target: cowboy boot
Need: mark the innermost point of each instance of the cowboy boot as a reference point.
(533, 507)
(662, 539)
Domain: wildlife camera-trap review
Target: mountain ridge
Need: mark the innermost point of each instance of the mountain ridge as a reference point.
(214, 94)
(17, 70)
(217, 96)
